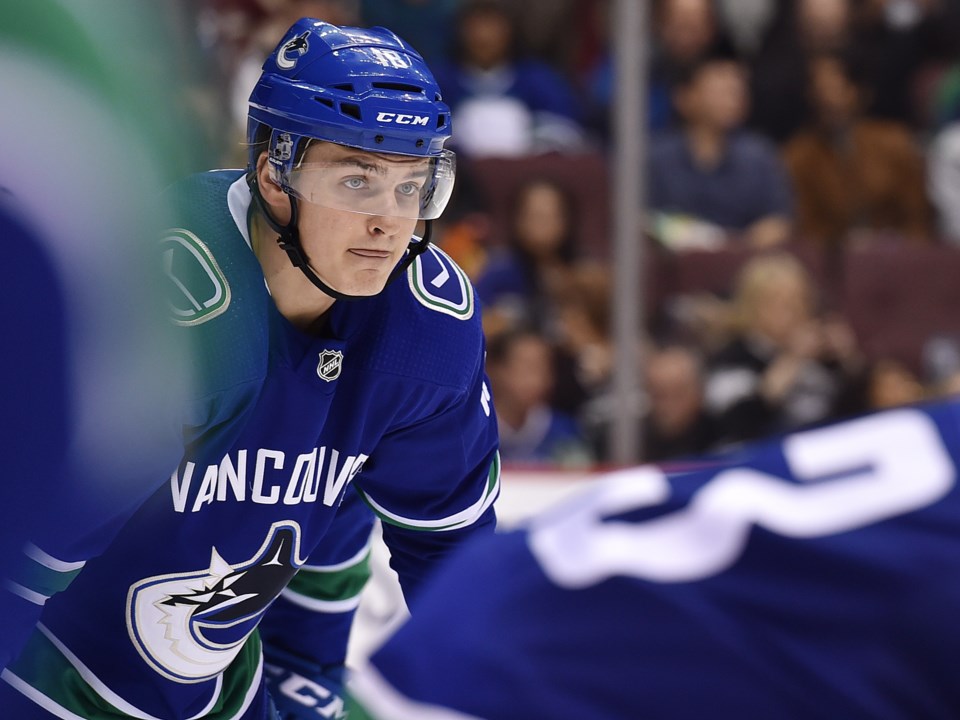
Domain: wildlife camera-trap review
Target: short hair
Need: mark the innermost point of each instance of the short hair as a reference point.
(690, 73)
(500, 344)
(851, 64)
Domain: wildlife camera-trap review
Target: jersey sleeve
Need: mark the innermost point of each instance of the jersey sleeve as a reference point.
(435, 472)
(433, 481)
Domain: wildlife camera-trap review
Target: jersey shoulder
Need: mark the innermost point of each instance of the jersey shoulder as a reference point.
(438, 284)
(205, 246)
(215, 286)
(430, 327)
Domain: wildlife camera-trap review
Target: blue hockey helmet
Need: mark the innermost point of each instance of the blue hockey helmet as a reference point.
(360, 88)
(364, 88)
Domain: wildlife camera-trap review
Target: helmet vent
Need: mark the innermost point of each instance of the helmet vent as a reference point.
(441, 120)
(352, 110)
(324, 101)
(347, 87)
(399, 87)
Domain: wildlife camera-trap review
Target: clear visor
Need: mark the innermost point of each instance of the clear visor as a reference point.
(393, 186)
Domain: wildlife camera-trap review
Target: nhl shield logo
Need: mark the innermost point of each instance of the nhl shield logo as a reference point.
(330, 364)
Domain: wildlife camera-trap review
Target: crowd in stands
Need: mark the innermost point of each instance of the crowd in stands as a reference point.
(797, 150)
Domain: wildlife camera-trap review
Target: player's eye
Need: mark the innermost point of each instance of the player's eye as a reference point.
(408, 189)
(355, 183)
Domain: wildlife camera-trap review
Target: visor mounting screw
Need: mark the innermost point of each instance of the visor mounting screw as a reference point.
(420, 143)
(378, 139)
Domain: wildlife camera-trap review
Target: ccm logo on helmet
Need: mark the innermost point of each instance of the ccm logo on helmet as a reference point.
(401, 119)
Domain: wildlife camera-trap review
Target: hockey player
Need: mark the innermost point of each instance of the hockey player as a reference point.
(340, 355)
(814, 577)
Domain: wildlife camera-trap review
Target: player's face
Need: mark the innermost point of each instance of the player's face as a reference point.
(361, 213)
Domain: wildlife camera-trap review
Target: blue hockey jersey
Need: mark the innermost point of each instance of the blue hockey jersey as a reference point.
(816, 576)
(391, 403)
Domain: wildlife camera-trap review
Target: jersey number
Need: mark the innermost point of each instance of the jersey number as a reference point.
(847, 476)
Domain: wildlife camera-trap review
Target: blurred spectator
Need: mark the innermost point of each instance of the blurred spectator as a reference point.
(583, 335)
(939, 86)
(890, 383)
(684, 33)
(677, 423)
(853, 173)
(521, 284)
(548, 31)
(504, 105)
(891, 38)
(585, 353)
(425, 24)
(943, 181)
(949, 387)
(747, 22)
(464, 229)
(701, 319)
(520, 368)
(224, 27)
(785, 368)
(779, 70)
(941, 365)
(716, 177)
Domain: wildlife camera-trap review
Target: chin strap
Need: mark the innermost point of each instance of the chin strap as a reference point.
(288, 238)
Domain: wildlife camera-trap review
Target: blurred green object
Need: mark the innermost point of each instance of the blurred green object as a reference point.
(134, 56)
(47, 29)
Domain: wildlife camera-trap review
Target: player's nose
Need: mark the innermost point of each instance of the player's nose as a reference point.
(383, 225)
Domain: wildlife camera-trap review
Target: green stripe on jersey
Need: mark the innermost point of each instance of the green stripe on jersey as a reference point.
(355, 711)
(332, 585)
(47, 671)
(41, 579)
(43, 667)
(459, 520)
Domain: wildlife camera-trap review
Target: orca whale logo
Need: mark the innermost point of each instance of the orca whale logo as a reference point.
(190, 626)
(298, 45)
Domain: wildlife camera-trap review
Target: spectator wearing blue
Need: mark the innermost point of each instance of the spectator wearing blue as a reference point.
(721, 180)
(532, 432)
(505, 105)
(684, 32)
(523, 281)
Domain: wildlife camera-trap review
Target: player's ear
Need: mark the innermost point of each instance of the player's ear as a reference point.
(272, 193)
